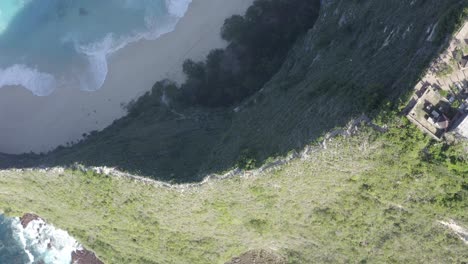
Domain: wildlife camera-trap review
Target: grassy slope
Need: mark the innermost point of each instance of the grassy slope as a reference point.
(340, 69)
(374, 198)
(368, 198)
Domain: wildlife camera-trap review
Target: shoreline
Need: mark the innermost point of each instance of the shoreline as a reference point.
(39, 124)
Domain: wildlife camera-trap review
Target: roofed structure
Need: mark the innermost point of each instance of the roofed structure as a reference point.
(429, 113)
(462, 128)
(464, 62)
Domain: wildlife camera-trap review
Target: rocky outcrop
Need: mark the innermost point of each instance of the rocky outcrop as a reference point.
(258, 257)
(28, 218)
(79, 256)
(85, 256)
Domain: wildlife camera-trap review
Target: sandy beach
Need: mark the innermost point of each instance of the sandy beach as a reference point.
(39, 124)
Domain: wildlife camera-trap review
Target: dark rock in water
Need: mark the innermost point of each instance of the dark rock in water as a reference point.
(258, 257)
(28, 218)
(82, 256)
(83, 12)
(85, 256)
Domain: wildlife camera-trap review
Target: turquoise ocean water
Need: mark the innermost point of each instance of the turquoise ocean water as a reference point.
(39, 242)
(11, 249)
(45, 44)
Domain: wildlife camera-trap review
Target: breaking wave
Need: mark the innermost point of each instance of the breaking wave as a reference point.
(50, 43)
(39, 242)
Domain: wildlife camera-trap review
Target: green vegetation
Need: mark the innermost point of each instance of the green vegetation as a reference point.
(444, 70)
(465, 49)
(258, 45)
(372, 198)
(458, 55)
(358, 56)
(456, 104)
(453, 19)
(247, 160)
(443, 93)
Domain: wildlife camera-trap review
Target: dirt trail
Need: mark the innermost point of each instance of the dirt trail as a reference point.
(461, 232)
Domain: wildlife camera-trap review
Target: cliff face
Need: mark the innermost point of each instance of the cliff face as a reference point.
(373, 197)
(359, 56)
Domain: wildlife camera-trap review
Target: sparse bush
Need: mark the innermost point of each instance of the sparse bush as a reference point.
(444, 70)
(247, 160)
(458, 55)
(443, 93)
(259, 225)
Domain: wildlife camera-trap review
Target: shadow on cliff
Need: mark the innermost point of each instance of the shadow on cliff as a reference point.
(357, 58)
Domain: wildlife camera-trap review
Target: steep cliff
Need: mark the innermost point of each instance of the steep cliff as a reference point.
(373, 197)
(359, 56)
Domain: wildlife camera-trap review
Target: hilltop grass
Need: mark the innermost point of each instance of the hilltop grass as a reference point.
(370, 198)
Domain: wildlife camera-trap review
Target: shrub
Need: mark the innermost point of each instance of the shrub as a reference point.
(258, 44)
(247, 160)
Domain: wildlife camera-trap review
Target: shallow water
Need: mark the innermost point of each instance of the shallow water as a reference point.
(11, 250)
(47, 44)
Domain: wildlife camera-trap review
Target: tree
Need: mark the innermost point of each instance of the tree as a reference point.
(233, 28)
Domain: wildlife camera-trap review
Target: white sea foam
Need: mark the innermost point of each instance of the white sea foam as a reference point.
(39, 83)
(178, 8)
(98, 52)
(44, 242)
(19, 234)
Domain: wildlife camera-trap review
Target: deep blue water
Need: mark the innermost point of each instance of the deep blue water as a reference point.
(45, 44)
(11, 250)
(39, 242)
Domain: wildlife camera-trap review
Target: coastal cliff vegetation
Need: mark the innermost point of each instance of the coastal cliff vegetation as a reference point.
(374, 197)
(369, 198)
(355, 58)
(258, 44)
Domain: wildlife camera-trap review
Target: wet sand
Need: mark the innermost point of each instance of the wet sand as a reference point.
(39, 124)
